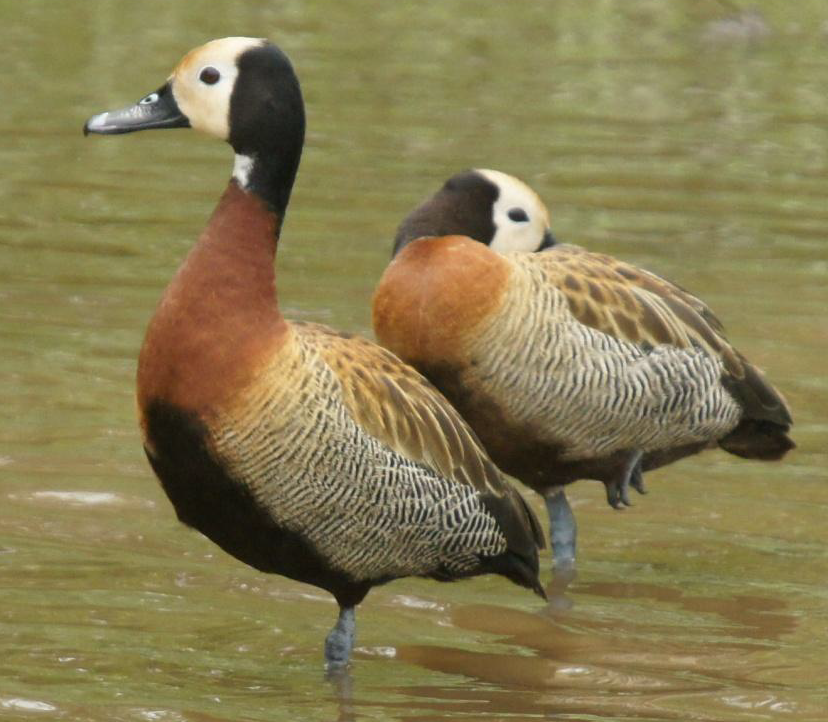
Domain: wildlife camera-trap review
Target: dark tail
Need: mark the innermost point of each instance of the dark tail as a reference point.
(524, 536)
(758, 439)
(518, 569)
(763, 431)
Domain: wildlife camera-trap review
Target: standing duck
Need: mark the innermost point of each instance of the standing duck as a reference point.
(299, 450)
(568, 364)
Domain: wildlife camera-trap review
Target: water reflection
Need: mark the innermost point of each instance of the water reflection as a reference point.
(342, 685)
(571, 653)
(761, 618)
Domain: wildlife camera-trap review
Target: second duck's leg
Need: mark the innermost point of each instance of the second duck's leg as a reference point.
(340, 640)
(637, 479)
(618, 489)
(562, 530)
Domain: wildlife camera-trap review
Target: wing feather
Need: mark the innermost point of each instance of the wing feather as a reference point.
(398, 406)
(640, 307)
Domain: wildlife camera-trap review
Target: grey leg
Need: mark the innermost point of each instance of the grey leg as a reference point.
(340, 640)
(562, 530)
(637, 480)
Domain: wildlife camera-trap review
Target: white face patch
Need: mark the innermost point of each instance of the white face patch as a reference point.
(200, 95)
(520, 217)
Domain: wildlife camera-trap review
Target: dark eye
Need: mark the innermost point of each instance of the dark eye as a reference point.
(147, 99)
(209, 75)
(518, 215)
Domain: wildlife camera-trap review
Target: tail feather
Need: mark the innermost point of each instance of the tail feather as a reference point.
(758, 439)
(524, 537)
(759, 399)
(763, 431)
(517, 569)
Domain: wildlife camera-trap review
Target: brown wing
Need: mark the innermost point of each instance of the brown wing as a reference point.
(397, 405)
(635, 305)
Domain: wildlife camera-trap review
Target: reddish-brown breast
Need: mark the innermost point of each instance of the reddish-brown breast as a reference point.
(218, 321)
(433, 296)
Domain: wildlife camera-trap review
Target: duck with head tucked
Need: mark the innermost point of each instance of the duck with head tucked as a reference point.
(297, 449)
(568, 364)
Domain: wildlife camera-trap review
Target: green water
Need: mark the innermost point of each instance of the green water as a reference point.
(654, 131)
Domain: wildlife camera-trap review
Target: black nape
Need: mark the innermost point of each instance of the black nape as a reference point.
(267, 122)
(463, 206)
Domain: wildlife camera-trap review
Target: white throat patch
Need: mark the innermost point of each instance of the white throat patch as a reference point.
(241, 169)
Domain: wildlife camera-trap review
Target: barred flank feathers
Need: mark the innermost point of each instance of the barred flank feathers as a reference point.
(362, 498)
(590, 392)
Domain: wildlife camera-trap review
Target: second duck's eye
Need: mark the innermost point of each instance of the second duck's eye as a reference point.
(209, 75)
(518, 215)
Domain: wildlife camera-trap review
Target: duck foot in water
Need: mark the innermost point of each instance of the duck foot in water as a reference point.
(340, 640)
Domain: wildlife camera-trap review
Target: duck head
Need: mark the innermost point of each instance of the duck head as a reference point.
(241, 90)
(488, 206)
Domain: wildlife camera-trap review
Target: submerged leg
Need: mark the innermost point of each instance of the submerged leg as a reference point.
(340, 640)
(618, 490)
(562, 530)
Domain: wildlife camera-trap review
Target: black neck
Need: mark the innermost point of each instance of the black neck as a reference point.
(272, 174)
(267, 121)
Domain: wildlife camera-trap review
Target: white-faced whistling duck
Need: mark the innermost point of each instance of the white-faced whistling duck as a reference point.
(568, 364)
(299, 450)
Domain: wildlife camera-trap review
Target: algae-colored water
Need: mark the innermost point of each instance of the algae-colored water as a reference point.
(666, 133)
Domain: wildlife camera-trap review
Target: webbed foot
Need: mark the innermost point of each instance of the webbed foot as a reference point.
(618, 490)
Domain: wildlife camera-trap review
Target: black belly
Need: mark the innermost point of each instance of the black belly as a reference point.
(206, 498)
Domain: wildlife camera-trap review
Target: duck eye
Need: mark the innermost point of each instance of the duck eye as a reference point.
(209, 75)
(147, 99)
(518, 215)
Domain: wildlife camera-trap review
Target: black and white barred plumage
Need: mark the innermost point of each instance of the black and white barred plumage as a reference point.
(589, 392)
(371, 511)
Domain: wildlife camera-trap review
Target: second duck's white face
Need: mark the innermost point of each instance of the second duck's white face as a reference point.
(202, 83)
(520, 218)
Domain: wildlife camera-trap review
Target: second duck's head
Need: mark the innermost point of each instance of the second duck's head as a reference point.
(486, 205)
(241, 90)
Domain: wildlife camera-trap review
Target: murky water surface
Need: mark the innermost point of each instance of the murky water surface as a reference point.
(670, 134)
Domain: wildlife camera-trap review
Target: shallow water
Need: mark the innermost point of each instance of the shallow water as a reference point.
(665, 133)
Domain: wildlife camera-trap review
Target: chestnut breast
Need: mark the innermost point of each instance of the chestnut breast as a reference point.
(433, 297)
(218, 321)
